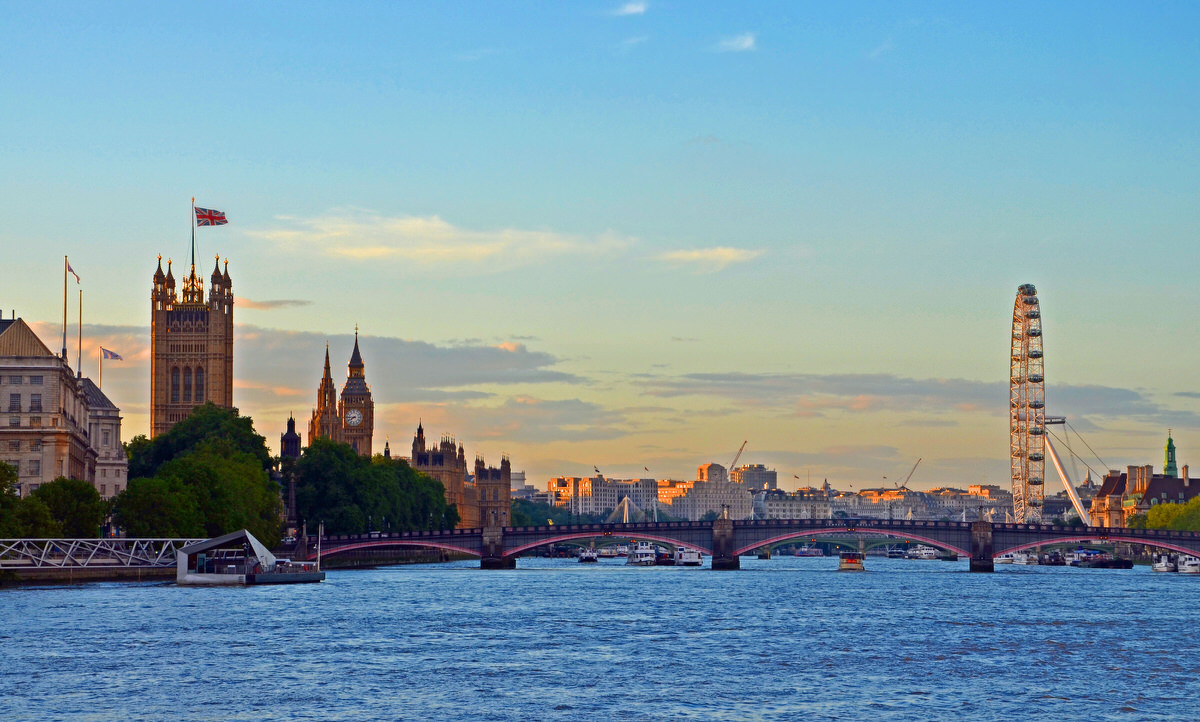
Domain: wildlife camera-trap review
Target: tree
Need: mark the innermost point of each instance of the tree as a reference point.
(1180, 517)
(28, 518)
(75, 506)
(230, 488)
(208, 422)
(158, 508)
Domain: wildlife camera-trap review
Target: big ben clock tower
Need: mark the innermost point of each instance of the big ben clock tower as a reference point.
(356, 409)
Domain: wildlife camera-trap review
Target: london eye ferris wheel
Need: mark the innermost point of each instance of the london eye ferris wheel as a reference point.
(1027, 408)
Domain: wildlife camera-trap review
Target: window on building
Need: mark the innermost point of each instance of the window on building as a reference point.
(104, 473)
(35, 402)
(116, 489)
(175, 386)
(35, 380)
(187, 384)
(16, 466)
(15, 380)
(14, 445)
(35, 422)
(106, 438)
(14, 421)
(199, 385)
(35, 467)
(103, 490)
(14, 403)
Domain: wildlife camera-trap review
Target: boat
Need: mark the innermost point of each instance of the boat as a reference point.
(238, 559)
(663, 558)
(810, 550)
(1004, 558)
(764, 553)
(642, 555)
(1163, 563)
(685, 557)
(1025, 558)
(850, 562)
(922, 551)
(895, 553)
(608, 552)
(1188, 564)
(1105, 561)
(622, 550)
(588, 556)
(948, 557)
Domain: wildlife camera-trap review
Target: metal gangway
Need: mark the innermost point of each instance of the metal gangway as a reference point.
(17, 554)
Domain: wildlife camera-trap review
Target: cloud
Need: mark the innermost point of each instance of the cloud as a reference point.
(882, 49)
(518, 420)
(708, 260)
(269, 305)
(630, 43)
(427, 241)
(737, 44)
(1188, 394)
(632, 8)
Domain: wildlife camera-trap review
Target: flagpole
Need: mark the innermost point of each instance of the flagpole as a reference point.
(192, 223)
(79, 347)
(64, 346)
(99, 368)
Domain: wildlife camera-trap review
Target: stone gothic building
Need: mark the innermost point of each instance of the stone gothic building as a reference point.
(191, 345)
(350, 419)
(482, 500)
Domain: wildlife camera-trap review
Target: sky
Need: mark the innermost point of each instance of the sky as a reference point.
(632, 235)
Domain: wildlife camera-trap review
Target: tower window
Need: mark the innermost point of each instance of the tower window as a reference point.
(175, 385)
(199, 384)
(187, 385)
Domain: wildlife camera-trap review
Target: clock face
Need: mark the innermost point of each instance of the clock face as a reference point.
(354, 417)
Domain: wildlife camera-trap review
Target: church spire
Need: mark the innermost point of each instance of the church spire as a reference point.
(328, 374)
(356, 357)
(1169, 468)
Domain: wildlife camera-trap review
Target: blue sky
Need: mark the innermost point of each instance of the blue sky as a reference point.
(635, 234)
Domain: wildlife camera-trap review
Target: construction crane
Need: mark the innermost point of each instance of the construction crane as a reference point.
(914, 469)
(737, 456)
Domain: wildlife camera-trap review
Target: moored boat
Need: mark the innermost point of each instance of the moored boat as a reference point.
(810, 550)
(1163, 563)
(1188, 564)
(641, 555)
(588, 556)
(239, 559)
(922, 551)
(685, 557)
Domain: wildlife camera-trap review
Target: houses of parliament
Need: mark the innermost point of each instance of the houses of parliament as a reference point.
(350, 419)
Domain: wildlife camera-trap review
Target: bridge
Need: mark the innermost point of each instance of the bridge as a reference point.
(726, 540)
(79, 559)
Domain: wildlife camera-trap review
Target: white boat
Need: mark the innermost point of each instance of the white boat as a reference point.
(921, 551)
(685, 557)
(1004, 558)
(622, 550)
(1164, 563)
(1025, 558)
(895, 553)
(608, 552)
(588, 556)
(642, 555)
(810, 550)
(1188, 564)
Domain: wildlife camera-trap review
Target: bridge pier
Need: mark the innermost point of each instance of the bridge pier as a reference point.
(981, 547)
(724, 555)
(492, 556)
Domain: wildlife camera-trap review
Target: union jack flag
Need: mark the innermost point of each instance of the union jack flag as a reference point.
(209, 217)
(111, 354)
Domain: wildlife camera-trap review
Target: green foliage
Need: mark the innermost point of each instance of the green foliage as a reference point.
(711, 516)
(353, 494)
(158, 508)
(206, 424)
(523, 512)
(1180, 517)
(207, 476)
(75, 506)
(27, 518)
(1136, 521)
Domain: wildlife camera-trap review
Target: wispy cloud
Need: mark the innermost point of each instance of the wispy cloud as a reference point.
(634, 8)
(737, 44)
(269, 305)
(629, 44)
(365, 235)
(882, 49)
(709, 260)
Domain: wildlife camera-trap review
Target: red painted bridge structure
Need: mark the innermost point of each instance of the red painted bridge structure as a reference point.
(726, 540)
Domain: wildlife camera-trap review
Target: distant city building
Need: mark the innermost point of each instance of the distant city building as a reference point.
(711, 472)
(104, 434)
(755, 476)
(46, 432)
(1138, 489)
(597, 496)
(802, 504)
(191, 346)
(350, 419)
(718, 496)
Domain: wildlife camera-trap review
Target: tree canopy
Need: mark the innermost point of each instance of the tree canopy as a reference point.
(1180, 517)
(352, 494)
(74, 505)
(207, 476)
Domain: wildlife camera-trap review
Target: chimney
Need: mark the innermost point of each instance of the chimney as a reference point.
(1186, 480)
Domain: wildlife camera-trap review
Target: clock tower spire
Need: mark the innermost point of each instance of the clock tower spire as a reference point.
(356, 408)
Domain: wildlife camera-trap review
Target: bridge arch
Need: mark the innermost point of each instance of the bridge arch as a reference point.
(826, 531)
(385, 543)
(639, 535)
(1105, 538)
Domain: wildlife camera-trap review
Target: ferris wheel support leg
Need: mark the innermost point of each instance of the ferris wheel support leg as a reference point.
(1066, 480)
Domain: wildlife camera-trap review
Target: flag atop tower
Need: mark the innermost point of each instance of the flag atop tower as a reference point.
(209, 217)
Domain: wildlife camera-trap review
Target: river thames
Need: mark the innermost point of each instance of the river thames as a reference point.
(781, 639)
